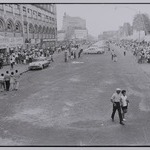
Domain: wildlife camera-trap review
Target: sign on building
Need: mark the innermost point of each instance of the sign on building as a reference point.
(80, 34)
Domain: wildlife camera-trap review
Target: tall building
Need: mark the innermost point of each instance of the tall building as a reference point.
(73, 22)
(27, 25)
(74, 27)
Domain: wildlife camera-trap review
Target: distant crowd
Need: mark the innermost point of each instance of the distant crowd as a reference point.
(24, 56)
(139, 49)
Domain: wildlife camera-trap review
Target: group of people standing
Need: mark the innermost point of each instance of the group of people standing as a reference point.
(113, 56)
(72, 53)
(9, 81)
(120, 103)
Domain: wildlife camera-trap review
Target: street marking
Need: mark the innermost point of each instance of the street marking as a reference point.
(75, 78)
(77, 62)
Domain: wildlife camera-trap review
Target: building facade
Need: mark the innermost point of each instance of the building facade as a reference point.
(80, 34)
(74, 28)
(60, 35)
(73, 22)
(25, 26)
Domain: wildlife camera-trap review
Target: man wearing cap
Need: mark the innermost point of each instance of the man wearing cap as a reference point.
(115, 99)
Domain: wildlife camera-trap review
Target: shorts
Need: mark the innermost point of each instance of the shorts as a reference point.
(124, 109)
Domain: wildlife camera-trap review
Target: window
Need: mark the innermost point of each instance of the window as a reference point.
(39, 16)
(24, 9)
(16, 6)
(8, 5)
(25, 28)
(34, 14)
(46, 18)
(2, 28)
(9, 26)
(29, 12)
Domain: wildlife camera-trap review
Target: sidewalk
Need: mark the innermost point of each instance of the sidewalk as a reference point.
(22, 68)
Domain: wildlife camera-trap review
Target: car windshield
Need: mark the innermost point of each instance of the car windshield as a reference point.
(39, 59)
(92, 49)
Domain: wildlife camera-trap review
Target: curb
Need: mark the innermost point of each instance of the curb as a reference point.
(25, 71)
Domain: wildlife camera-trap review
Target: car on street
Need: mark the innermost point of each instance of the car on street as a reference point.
(94, 50)
(39, 63)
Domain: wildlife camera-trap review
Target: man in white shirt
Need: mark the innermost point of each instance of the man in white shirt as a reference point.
(115, 99)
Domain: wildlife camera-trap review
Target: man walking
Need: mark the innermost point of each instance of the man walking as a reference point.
(115, 99)
(7, 80)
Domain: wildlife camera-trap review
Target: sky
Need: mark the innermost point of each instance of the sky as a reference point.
(101, 17)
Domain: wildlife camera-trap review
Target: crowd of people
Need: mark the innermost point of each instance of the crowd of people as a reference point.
(24, 56)
(72, 52)
(9, 81)
(139, 49)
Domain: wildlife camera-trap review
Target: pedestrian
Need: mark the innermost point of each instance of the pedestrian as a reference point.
(2, 86)
(12, 81)
(66, 55)
(124, 53)
(16, 78)
(7, 80)
(79, 54)
(11, 63)
(74, 54)
(115, 99)
(115, 58)
(112, 55)
(51, 57)
(124, 104)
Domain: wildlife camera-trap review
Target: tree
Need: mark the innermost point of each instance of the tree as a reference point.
(141, 22)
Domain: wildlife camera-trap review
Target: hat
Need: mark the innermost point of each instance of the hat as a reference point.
(118, 89)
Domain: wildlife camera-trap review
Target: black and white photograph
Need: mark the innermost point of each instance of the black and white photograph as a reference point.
(74, 74)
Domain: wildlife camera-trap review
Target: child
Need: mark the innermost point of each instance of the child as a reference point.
(124, 104)
(16, 78)
(12, 81)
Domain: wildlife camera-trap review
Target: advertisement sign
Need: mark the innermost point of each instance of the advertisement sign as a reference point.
(80, 34)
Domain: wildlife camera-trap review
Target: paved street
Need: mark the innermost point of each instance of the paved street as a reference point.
(69, 104)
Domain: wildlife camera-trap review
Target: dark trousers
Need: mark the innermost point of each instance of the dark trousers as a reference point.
(12, 65)
(117, 107)
(7, 85)
(112, 57)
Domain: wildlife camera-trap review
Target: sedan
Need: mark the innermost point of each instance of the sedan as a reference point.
(94, 50)
(39, 63)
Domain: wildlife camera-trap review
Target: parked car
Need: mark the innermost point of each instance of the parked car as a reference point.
(39, 63)
(93, 50)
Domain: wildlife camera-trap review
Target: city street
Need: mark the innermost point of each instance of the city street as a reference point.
(69, 104)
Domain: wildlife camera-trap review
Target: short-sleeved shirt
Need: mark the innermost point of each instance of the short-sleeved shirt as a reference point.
(124, 100)
(116, 97)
